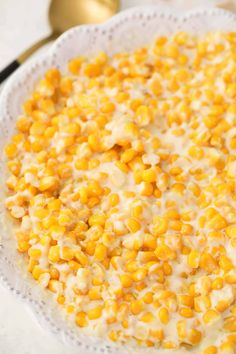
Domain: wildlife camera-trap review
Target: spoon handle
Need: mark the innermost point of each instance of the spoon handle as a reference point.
(10, 68)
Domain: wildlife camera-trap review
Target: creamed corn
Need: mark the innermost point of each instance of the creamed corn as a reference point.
(122, 179)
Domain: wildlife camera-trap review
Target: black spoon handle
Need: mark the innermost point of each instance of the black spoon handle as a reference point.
(8, 70)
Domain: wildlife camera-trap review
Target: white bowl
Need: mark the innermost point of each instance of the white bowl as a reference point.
(126, 31)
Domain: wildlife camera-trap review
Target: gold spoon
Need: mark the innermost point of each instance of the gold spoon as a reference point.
(64, 14)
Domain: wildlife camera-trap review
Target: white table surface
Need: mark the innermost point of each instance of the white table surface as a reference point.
(21, 23)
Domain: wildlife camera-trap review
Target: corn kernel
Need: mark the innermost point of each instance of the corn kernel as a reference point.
(164, 315)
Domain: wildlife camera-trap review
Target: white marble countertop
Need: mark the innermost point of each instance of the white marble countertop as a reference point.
(21, 23)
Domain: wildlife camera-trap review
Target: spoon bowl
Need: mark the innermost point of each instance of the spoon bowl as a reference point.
(64, 14)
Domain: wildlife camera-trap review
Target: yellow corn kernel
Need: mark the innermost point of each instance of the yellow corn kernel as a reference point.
(74, 65)
(36, 272)
(230, 279)
(181, 329)
(18, 138)
(92, 70)
(101, 120)
(167, 269)
(131, 128)
(232, 338)
(97, 219)
(38, 128)
(196, 152)
(61, 299)
(130, 266)
(147, 317)
(100, 252)
(164, 315)
(172, 51)
(108, 107)
(23, 246)
(201, 303)
(126, 280)
(81, 164)
(45, 240)
(138, 177)
(193, 259)
(231, 90)
(135, 104)
(94, 293)
(127, 155)
(54, 273)
(222, 305)
(194, 336)
(149, 175)
(113, 336)
(148, 298)
(156, 87)
(186, 300)
(217, 283)
(165, 253)
(57, 230)
(11, 150)
(211, 121)
(208, 262)
(186, 312)
(54, 254)
(41, 213)
(133, 225)
(34, 253)
(70, 309)
(23, 124)
(93, 163)
(55, 286)
(161, 41)
(174, 171)
(144, 115)
(160, 225)
(122, 166)
(149, 242)
(157, 333)
(225, 263)
(139, 275)
(136, 307)
(54, 204)
(94, 142)
(53, 76)
(95, 313)
(230, 324)
(67, 253)
(230, 231)
(217, 222)
(147, 190)
(227, 347)
(212, 349)
(74, 265)
(80, 319)
(64, 219)
(49, 182)
(122, 97)
(168, 345)
(136, 211)
(81, 258)
(210, 316)
(14, 167)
